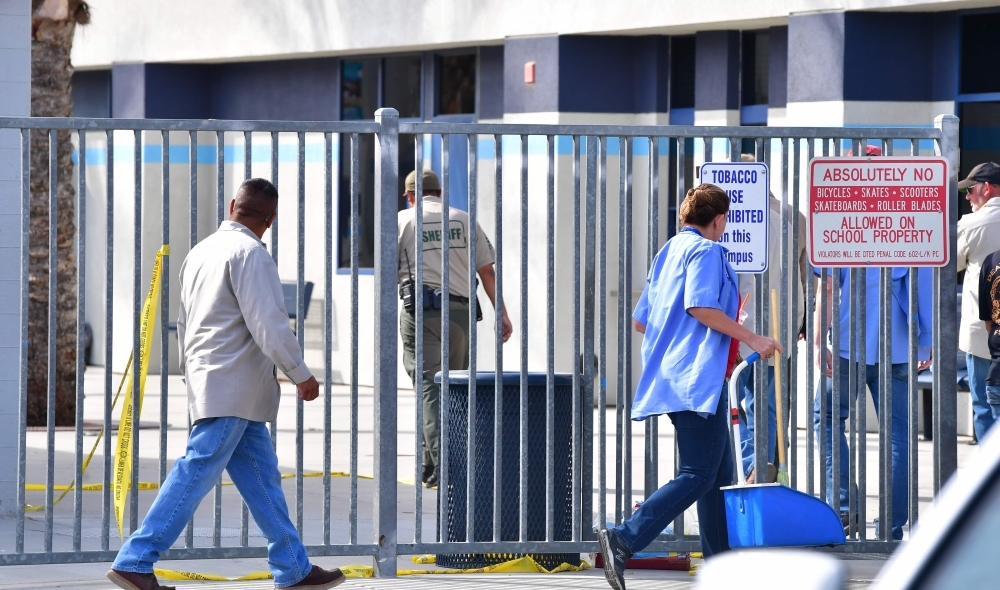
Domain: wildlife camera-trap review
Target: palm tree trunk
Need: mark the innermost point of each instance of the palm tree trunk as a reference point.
(53, 26)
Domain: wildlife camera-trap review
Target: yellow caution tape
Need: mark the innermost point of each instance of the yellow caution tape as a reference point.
(424, 559)
(697, 555)
(123, 449)
(524, 565)
(152, 485)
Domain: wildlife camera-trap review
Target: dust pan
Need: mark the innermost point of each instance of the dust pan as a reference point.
(770, 514)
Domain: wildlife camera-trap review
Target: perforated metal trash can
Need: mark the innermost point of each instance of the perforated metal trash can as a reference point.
(456, 409)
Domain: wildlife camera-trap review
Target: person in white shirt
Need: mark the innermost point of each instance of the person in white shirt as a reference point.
(233, 335)
(978, 236)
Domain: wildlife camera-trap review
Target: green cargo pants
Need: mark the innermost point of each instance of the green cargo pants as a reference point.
(458, 359)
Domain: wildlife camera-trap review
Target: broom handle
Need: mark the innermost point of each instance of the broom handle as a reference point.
(777, 379)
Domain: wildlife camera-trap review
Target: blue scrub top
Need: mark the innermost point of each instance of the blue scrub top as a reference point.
(899, 308)
(683, 361)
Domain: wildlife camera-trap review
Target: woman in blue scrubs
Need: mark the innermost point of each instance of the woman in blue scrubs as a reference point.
(687, 312)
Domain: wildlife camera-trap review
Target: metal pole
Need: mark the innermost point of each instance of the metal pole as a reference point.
(386, 259)
(81, 275)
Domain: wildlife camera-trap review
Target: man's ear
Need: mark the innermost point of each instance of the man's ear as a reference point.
(232, 206)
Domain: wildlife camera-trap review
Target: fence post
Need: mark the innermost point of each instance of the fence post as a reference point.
(386, 258)
(946, 334)
(15, 101)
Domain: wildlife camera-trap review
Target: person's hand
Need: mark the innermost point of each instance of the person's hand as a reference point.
(308, 389)
(507, 328)
(824, 359)
(765, 346)
(923, 365)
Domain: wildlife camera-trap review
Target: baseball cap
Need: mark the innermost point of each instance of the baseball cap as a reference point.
(870, 150)
(430, 182)
(985, 172)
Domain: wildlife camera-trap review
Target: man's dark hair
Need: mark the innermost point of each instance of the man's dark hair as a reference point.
(256, 198)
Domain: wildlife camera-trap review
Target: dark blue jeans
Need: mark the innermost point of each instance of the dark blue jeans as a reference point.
(982, 412)
(706, 464)
(899, 437)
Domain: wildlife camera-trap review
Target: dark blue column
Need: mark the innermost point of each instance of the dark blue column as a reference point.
(717, 78)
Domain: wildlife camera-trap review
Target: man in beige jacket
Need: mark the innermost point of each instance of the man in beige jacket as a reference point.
(978, 236)
(233, 335)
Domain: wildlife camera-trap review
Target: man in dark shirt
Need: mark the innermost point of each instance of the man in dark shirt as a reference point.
(989, 312)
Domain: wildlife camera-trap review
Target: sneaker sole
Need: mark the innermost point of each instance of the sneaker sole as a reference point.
(609, 562)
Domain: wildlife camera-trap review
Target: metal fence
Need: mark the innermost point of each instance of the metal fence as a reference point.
(603, 229)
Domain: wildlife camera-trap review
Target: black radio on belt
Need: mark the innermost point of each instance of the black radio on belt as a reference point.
(432, 299)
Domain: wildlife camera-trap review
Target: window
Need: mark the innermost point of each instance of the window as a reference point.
(366, 195)
(456, 85)
(358, 89)
(682, 73)
(401, 83)
(755, 66)
(980, 52)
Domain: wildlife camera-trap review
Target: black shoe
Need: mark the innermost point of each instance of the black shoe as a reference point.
(615, 556)
(431, 482)
(845, 519)
(428, 471)
(320, 579)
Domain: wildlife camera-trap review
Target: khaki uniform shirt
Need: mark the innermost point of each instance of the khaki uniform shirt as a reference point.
(978, 237)
(232, 328)
(458, 254)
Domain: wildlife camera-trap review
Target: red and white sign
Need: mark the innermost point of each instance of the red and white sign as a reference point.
(878, 211)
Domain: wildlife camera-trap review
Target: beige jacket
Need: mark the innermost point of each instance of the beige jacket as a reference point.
(232, 328)
(978, 237)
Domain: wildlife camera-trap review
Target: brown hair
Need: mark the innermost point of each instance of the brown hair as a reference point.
(704, 203)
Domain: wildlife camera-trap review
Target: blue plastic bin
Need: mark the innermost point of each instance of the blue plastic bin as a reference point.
(772, 515)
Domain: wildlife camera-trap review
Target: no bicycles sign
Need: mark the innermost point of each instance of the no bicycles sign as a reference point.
(878, 211)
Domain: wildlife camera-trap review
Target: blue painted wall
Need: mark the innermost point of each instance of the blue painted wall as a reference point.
(543, 95)
(777, 67)
(92, 93)
(717, 70)
(299, 90)
(816, 56)
(491, 86)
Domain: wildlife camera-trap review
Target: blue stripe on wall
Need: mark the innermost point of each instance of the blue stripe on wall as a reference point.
(564, 146)
(179, 154)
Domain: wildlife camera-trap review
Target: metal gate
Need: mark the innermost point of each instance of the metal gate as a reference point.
(581, 273)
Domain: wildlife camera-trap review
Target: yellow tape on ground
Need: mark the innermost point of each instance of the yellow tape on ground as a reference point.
(524, 565)
(152, 485)
(123, 449)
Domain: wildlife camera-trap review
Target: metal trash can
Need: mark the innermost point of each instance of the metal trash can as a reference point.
(457, 415)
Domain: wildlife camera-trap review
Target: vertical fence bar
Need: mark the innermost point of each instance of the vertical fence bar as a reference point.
(300, 312)
(620, 416)
(681, 192)
(853, 396)
(498, 381)
(789, 264)
(274, 223)
(192, 240)
(577, 403)
(796, 313)
(136, 327)
(22, 419)
(913, 363)
(523, 479)
(813, 345)
(601, 144)
(50, 386)
(443, 455)
(626, 320)
(355, 253)
(586, 486)
(762, 325)
(109, 287)
(81, 276)
(833, 410)
(824, 403)
(885, 407)
(649, 464)
(328, 328)
(244, 511)
(386, 261)
(220, 203)
(654, 246)
(473, 434)
(421, 450)
(862, 402)
(164, 298)
(550, 335)
(946, 329)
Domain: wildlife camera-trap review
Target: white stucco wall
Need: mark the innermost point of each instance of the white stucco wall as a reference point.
(191, 30)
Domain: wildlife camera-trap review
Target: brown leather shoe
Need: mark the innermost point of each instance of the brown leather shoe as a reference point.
(320, 579)
(136, 581)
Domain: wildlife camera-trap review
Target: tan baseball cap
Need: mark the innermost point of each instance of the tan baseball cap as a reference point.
(430, 181)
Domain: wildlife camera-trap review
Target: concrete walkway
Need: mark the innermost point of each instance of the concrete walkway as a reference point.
(92, 575)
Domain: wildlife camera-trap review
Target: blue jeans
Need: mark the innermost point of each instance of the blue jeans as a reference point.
(899, 436)
(993, 398)
(982, 415)
(706, 464)
(745, 390)
(242, 448)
